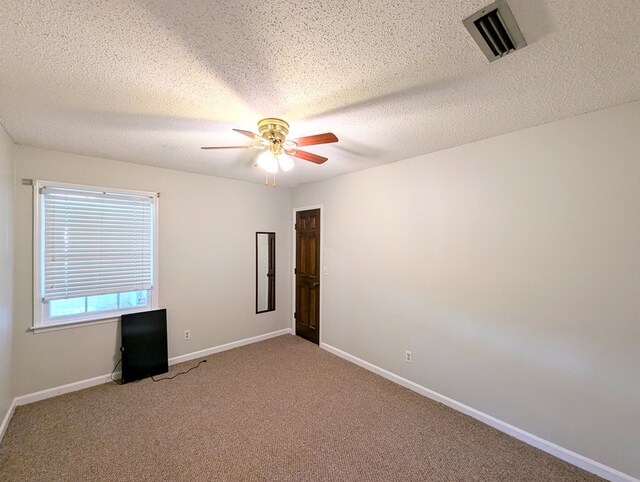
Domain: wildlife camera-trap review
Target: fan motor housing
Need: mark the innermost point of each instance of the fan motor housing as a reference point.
(273, 129)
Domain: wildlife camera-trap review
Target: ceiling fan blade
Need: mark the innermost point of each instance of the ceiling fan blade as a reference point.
(326, 138)
(233, 147)
(306, 156)
(253, 136)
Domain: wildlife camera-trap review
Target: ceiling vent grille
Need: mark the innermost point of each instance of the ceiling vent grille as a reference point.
(495, 30)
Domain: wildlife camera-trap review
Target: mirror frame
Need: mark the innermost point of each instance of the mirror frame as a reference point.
(271, 262)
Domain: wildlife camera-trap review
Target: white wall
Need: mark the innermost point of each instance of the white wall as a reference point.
(510, 267)
(6, 272)
(207, 267)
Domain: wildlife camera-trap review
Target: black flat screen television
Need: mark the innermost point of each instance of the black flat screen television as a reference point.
(144, 345)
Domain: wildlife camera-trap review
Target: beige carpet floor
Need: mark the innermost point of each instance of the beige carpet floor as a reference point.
(282, 409)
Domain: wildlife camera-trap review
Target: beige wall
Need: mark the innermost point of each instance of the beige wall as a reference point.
(207, 267)
(6, 272)
(510, 267)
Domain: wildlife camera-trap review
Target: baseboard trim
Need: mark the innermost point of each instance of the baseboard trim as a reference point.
(90, 382)
(228, 346)
(526, 437)
(7, 418)
(61, 390)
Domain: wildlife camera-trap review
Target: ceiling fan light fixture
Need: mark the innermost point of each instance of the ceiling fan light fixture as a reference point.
(273, 139)
(268, 162)
(285, 162)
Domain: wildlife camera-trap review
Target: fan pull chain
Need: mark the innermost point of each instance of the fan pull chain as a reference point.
(274, 179)
(266, 178)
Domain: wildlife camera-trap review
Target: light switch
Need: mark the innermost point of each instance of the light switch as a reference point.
(325, 271)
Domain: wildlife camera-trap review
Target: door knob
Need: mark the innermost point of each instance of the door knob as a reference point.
(316, 284)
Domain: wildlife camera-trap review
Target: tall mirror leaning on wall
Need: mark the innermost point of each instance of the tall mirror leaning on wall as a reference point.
(265, 272)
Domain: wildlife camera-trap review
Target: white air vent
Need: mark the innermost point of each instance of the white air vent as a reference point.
(495, 30)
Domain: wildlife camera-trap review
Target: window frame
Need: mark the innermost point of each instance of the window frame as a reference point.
(41, 320)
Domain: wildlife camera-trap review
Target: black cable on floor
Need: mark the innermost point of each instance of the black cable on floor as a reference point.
(178, 374)
(114, 370)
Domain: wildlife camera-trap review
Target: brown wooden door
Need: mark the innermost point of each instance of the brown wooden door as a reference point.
(307, 273)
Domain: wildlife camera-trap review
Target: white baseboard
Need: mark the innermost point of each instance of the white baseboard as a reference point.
(7, 419)
(90, 382)
(62, 389)
(227, 346)
(526, 437)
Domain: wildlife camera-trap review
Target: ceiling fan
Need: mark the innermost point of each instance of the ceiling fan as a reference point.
(273, 139)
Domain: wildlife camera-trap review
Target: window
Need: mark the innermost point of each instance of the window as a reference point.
(94, 253)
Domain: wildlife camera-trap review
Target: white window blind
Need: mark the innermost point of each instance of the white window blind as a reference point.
(95, 242)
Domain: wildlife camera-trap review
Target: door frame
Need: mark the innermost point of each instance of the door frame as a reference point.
(293, 266)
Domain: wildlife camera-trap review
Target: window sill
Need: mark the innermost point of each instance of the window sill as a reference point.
(73, 324)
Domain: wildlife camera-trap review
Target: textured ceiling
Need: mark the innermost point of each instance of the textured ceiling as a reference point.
(151, 81)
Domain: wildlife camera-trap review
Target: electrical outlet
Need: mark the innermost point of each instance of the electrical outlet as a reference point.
(408, 357)
(187, 334)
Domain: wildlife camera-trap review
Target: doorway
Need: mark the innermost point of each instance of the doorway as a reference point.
(307, 274)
